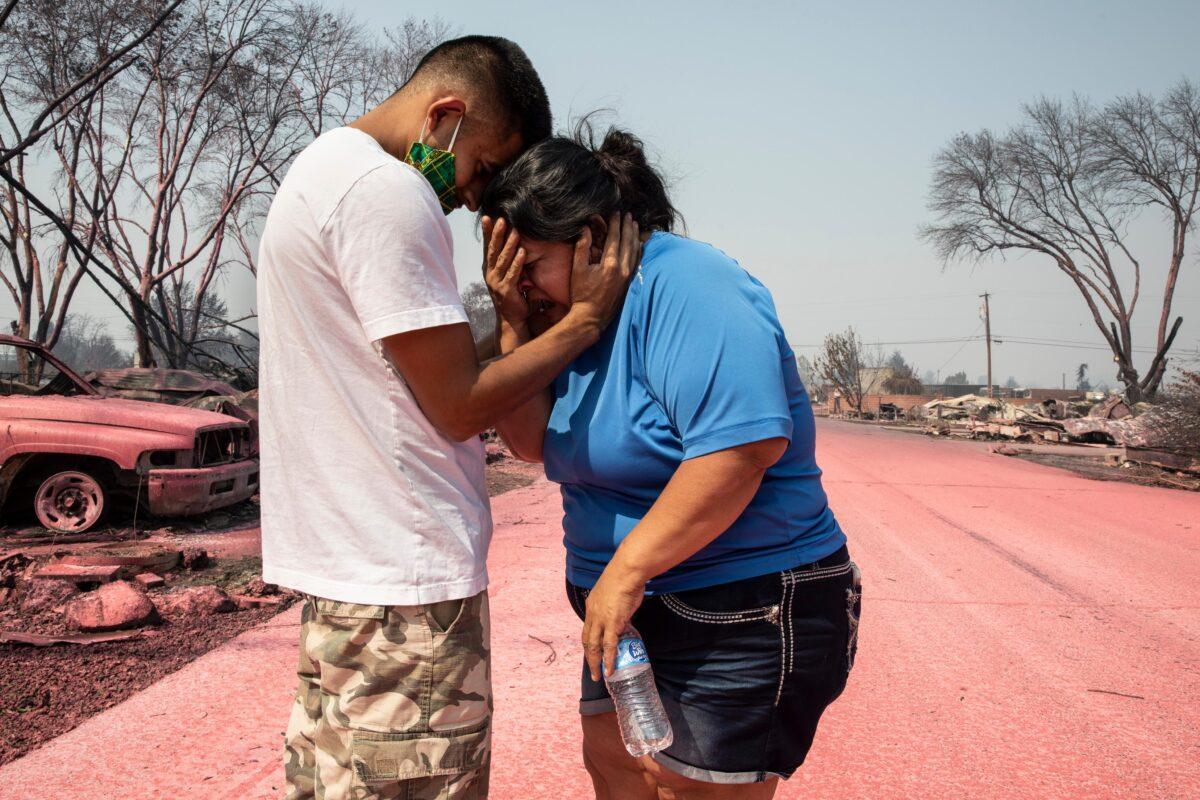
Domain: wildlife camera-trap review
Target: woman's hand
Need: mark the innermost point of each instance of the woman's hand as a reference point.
(503, 261)
(598, 288)
(609, 607)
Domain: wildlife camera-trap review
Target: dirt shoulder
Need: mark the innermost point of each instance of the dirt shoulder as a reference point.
(1098, 470)
(1096, 462)
(47, 691)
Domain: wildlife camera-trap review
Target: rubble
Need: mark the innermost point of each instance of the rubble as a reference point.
(1129, 431)
(1133, 430)
(79, 573)
(1164, 459)
(195, 601)
(38, 595)
(149, 580)
(245, 601)
(1109, 422)
(257, 587)
(134, 557)
(114, 606)
(194, 558)
(1113, 407)
(39, 640)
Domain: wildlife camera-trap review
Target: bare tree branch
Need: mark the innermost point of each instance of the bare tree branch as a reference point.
(1065, 184)
(74, 95)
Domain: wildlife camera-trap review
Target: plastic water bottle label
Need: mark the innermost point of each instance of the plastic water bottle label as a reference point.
(631, 651)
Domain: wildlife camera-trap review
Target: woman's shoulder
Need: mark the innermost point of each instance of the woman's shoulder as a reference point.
(671, 261)
(680, 276)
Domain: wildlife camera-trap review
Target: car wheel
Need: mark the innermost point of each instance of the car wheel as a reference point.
(69, 502)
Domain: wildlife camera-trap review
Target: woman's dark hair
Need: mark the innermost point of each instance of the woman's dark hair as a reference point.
(552, 189)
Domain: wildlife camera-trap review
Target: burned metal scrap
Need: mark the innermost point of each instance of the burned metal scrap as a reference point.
(1128, 431)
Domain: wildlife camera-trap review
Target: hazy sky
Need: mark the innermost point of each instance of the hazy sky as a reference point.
(798, 137)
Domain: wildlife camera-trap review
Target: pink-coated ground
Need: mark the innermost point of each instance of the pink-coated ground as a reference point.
(1026, 634)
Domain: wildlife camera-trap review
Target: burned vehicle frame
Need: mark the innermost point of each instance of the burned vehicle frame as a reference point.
(71, 452)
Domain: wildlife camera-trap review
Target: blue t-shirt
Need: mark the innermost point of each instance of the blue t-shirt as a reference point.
(697, 362)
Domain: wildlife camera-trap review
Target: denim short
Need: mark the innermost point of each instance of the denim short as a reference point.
(745, 669)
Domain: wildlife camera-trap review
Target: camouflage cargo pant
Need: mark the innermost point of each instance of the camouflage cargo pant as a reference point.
(394, 702)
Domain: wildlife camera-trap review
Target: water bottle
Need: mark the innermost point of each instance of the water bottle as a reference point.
(644, 724)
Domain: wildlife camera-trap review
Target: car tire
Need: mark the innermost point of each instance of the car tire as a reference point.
(71, 501)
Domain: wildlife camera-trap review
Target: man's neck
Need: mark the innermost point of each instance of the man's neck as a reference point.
(389, 124)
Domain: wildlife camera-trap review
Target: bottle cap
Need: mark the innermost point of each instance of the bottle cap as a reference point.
(631, 651)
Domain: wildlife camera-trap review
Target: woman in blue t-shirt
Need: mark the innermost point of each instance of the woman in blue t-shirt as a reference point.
(683, 441)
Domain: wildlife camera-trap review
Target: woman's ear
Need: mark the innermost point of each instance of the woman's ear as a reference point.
(599, 228)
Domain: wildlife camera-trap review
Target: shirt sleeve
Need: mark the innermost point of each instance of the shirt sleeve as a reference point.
(394, 255)
(712, 358)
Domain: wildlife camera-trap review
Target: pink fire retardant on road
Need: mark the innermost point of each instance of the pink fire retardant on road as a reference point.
(1026, 634)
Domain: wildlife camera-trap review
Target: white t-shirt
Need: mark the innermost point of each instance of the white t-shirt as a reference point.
(363, 501)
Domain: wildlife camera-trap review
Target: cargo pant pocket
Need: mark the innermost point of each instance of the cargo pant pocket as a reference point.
(334, 608)
(380, 759)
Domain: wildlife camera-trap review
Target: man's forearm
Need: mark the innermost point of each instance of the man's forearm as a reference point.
(462, 398)
(507, 382)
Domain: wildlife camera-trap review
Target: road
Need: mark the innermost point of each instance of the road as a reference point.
(1026, 634)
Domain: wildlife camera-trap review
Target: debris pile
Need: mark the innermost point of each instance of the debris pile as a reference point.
(1112, 422)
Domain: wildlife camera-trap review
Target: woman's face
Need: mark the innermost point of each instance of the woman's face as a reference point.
(546, 280)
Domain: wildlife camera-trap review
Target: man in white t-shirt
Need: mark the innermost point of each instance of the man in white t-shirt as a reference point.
(373, 496)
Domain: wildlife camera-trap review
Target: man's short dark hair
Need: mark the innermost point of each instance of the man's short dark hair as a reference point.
(503, 73)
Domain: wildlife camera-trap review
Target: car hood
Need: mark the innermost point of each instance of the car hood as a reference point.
(116, 412)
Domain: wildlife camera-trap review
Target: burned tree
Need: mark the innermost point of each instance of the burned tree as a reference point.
(167, 164)
(57, 58)
(1065, 184)
(481, 312)
(841, 362)
(89, 63)
(903, 376)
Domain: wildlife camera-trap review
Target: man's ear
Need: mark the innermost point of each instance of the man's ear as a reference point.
(441, 118)
(599, 228)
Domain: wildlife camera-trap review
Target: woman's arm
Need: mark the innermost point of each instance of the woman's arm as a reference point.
(703, 498)
(524, 429)
(516, 325)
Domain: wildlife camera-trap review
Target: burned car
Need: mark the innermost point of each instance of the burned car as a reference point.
(72, 452)
(179, 387)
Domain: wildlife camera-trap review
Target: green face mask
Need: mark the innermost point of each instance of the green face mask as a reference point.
(437, 166)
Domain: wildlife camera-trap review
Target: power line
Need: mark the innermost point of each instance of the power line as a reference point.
(1080, 346)
(953, 340)
(860, 301)
(966, 341)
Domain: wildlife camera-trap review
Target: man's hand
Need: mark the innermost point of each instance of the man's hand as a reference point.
(598, 288)
(503, 260)
(610, 606)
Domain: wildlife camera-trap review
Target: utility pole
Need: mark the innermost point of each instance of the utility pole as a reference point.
(987, 333)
